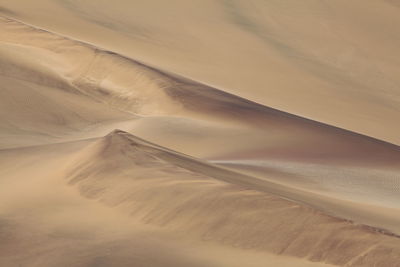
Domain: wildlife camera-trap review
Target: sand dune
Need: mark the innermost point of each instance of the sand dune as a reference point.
(198, 175)
(334, 62)
(160, 188)
(53, 225)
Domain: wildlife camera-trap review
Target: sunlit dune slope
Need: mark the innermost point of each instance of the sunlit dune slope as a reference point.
(133, 88)
(333, 61)
(45, 222)
(197, 172)
(179, 195)
(168, 189)
(53, 225)
(90, 91)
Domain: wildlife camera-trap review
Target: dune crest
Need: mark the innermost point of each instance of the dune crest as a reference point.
(331, 62)
(203, 171)
(159, 187)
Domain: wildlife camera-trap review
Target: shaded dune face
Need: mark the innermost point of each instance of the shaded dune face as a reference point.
(66, 86)
(160, 187)
(327, 61)
(88, 72)
(59, 97)
(101, 86)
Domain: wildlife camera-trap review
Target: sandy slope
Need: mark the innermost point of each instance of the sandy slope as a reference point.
(72, 197)
(332, 61)
(45, 222)
(171, 194)
(53, 226)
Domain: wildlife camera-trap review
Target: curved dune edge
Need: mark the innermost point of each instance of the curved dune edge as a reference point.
(71, 91)
(53, 225)
(144, 185)
(351, 81)
(160, 187)
(175, 90)
(104, 89)
(163, 188)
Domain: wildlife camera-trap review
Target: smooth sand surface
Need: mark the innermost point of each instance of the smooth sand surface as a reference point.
(332, 61)
(199, 175)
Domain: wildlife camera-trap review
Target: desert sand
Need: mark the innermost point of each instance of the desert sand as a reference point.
(199, 133)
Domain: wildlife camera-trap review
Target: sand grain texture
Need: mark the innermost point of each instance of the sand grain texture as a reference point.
(203, 171)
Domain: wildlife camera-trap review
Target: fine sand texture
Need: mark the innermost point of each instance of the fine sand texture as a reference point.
(199, 133)
(332, 61)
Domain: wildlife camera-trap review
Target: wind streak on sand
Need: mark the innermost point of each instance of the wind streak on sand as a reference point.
(60, 97)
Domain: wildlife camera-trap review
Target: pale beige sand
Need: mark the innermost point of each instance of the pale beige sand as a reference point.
(152, 200)
(332, 61)
(311, 194)
(43, 222)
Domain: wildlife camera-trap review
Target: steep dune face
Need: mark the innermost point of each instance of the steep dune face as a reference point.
(132, 87)
(334, 62)
(45, 222)
(87, 73)
(163, 188)
(198, 173)
(38, 102)
(154, 196)
(98, 90)
(78, 68)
